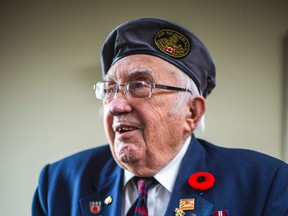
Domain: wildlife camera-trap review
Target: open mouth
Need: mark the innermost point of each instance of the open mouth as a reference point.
(124, 129)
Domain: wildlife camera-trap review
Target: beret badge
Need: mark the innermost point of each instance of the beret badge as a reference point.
(172, 43)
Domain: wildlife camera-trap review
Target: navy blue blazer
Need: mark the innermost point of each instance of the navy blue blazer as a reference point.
(247, 183)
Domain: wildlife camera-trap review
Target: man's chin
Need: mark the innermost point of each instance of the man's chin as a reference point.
(128, 154)
(127, 158)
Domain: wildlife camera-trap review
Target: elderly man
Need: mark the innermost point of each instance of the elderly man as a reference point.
(157, 75)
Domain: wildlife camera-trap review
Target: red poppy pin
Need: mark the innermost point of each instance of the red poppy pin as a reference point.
(201, 181)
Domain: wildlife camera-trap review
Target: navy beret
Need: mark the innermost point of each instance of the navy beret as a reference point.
(166, 40)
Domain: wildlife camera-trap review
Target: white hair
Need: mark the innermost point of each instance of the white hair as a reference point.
(187, 83)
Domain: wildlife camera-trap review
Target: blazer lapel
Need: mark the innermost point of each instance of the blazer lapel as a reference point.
(193, 161)
(107, 199)
(111, 189)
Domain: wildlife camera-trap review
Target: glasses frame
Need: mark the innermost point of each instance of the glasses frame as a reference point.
(126, 90)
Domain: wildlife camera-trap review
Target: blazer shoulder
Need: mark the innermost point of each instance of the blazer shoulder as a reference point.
(72, 178)
(101, 154)
(80, 165)
(244, 158)
(259, 178)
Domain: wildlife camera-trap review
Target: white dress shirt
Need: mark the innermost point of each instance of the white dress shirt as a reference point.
(158, 195)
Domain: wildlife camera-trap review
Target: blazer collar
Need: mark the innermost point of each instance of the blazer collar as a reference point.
(107, 197)
(193, 161)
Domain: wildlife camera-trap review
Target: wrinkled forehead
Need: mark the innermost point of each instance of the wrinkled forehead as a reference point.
(142, 67)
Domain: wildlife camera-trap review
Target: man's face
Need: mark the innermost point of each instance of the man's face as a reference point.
(145, 134)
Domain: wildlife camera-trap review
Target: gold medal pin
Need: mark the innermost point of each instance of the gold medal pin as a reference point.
(179, 212)
(187, 204)
(108, 200)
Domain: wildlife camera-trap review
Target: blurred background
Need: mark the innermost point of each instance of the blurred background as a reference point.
(49, 61)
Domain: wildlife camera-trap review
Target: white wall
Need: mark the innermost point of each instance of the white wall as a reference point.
(50, 60)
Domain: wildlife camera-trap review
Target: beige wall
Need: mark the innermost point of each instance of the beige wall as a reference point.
(50, 60)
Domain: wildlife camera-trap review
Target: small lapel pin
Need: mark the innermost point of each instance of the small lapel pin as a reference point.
(95, 207)
(179, 212)
(187, 204)
(108, 200)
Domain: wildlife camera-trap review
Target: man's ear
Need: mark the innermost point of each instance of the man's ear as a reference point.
(197, 109)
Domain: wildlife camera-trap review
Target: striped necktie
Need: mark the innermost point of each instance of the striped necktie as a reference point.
(139, 208)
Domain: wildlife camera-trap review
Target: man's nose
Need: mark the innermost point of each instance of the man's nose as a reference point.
(119, 104)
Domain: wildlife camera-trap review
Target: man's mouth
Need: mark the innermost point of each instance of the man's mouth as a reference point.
(124, 129)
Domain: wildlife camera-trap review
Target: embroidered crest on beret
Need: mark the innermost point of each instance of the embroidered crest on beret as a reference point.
(172, 43)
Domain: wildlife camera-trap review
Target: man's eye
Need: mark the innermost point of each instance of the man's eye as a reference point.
(110, 90)
(138, 85)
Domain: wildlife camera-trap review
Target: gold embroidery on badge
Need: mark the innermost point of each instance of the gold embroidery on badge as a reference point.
(172, 43)
(187, 204)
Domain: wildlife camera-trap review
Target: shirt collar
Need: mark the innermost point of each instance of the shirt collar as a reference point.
(170, 170)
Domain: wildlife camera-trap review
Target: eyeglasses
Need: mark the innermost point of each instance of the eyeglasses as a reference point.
(107, 90)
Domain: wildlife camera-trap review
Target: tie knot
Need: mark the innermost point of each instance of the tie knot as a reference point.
(143, 183)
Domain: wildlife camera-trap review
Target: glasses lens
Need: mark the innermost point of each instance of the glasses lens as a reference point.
(139, 89)
(105, 90)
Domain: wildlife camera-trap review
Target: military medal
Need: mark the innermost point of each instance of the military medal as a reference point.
(221, 213)
(179, 212)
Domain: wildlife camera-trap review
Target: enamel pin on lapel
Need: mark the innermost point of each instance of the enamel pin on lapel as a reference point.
(95, 207)
(179, 212)
(108, 200)
(187, 204)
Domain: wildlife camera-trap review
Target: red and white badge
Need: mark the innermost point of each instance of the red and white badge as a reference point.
(221, 213)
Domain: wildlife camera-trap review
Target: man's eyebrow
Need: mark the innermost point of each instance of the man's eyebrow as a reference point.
(140, 73)
(140, 70)
(143, 72)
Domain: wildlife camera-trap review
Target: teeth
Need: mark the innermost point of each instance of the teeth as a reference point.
(124, 129)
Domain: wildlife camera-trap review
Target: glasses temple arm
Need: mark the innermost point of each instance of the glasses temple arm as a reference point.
(171, 88)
